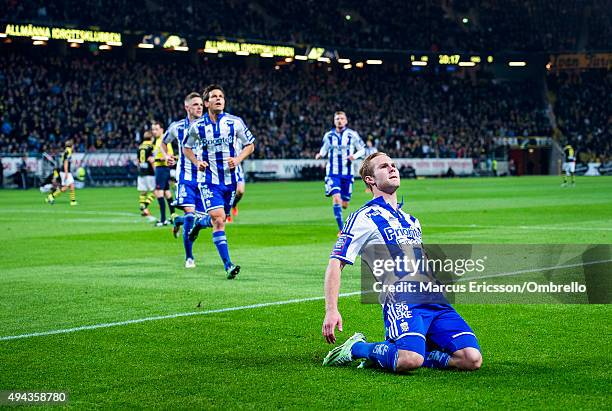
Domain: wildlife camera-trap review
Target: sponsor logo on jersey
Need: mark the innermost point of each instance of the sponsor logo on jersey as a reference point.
(396, 234)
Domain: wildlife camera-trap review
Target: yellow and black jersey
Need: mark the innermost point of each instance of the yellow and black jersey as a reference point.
(145, 150)
(160, 161)
(569, 154)
(66, 156)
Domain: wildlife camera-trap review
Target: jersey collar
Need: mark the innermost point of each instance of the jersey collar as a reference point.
(207, 119)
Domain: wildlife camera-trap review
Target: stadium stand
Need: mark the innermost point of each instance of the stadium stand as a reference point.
(538, 25)
(582, 102)
(105, 103)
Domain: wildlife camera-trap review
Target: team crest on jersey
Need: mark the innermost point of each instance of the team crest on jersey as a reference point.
(372, 213)
(404, 326)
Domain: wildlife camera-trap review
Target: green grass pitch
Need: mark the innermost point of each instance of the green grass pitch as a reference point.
(100, 263)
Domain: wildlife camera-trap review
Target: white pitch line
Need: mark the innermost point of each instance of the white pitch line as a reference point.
(261, 305)
(169, 316)
(522, 227)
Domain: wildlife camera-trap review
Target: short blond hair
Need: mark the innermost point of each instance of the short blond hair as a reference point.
(191, 96)
(339, 112)
(367, 169)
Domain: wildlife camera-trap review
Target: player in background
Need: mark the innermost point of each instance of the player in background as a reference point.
(65, 176)
(162, 174)
(146, 173)
(569, 165)
(343, 146)
(217, 133)
(187, 192)
(417, 335)
(240, 187)
(370, 148)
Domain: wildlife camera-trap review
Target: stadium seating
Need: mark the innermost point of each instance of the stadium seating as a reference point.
(538, 25)
(103, 102)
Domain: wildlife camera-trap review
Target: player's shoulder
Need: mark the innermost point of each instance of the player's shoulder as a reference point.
(359, 219)
(176, 125)
(231, 118)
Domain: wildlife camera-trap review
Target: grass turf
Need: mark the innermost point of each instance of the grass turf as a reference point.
(100, 262)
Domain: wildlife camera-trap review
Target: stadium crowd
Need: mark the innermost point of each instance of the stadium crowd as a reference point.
(489, 25)
(582, 109)
(106, 103)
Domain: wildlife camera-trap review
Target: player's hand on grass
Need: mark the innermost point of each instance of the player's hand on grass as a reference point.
(202, 165)
(332, 319)
(233, 162)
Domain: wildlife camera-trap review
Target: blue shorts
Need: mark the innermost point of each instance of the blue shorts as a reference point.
(162, 178)
(217, 196)
(188, 195)
(342, 185)
(424, 327)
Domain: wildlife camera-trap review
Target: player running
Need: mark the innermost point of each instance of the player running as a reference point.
(162, 174)
(187, 192)
(217, 133)
(342, 145)
(240, 187)
(67, 180)
(146, 173)
(417, 335)
(569, 165)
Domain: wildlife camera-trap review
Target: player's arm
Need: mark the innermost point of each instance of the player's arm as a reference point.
(65, 165)
(151, 158)
(190, 142)
(332, 289)
(359, 146)
(168, 138)
(246, 151)
(244, 135)
(324, 148)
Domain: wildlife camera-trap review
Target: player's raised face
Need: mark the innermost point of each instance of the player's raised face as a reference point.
(157, 130)
(340, 120)
(216, 101)
(386, 175)
(195, 107)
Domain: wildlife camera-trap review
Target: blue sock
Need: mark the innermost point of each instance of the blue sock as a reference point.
(384, 353)
(338, 214)
(362, 350)
(188, 223)
(180, 220)
(436, 359)
(162, 208)
(221, 243)
(205, 221)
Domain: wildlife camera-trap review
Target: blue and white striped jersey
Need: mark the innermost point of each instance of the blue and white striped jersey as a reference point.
(178, 130)
(339, 146)
(219, 141)
(375, 223)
